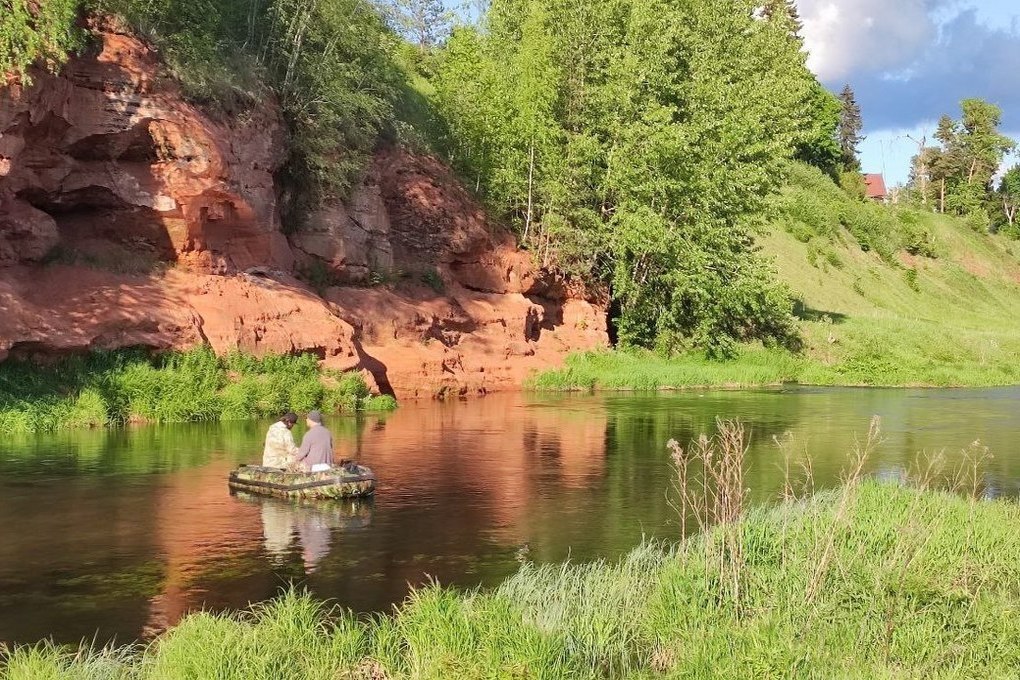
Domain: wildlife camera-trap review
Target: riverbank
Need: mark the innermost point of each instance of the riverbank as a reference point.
(876, 353)
(110, 388)
(873, 580)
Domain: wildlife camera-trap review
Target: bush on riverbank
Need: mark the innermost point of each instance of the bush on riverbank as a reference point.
(872, 580)
(108, 388)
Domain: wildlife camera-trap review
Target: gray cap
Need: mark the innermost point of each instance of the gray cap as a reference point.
(315, 417)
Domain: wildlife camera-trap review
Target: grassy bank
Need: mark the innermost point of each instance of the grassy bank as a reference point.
(109, 388)
(886, 295)
(871, 581)
(886, 353)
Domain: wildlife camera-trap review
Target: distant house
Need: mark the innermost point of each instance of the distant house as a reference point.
(876, 187)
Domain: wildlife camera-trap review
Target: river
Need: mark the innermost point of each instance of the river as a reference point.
(114, 535)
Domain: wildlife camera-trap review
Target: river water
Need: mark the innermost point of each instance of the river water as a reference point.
(114, 535)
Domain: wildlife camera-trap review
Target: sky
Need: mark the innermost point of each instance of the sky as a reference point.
(910, 61)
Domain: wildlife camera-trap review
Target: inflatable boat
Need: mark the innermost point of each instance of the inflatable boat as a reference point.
(344, 481)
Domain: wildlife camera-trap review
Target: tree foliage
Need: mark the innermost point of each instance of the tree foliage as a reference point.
(1009, 195)
(850, 127)
(424, 22)
(36, 32)
(631, 141)
(956, 176)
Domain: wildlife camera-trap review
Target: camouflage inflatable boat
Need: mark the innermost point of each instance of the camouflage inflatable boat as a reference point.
(345, 481)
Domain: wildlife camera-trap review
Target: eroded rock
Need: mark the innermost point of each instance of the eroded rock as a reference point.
(128, 217)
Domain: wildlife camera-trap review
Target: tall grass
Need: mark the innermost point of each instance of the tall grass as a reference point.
(107, 388)
(871, 580)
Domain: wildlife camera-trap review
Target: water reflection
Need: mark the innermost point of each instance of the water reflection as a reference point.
(125, 531)
(309, 523)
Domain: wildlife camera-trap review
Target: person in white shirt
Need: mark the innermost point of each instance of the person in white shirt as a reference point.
(280, 450)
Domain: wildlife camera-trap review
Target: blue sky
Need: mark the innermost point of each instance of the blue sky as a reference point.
(910, 61)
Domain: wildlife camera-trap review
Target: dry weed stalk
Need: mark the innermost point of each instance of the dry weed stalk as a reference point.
(710, 487)
(851, 480)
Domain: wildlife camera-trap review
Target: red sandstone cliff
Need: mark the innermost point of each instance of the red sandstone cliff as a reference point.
(130, 217)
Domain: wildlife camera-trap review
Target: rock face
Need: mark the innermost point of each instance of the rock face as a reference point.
(470, 312)
(129, 217)
(108, 155)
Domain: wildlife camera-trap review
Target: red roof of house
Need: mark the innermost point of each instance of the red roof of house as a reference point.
(876, 186)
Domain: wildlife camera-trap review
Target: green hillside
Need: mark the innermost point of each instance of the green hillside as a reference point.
(934, 301)
(885, 295)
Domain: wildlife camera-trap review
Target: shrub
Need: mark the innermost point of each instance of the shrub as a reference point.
(911, 277)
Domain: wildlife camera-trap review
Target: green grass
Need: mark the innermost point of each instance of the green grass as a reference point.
(888, 296)
(912, 584)
(649, 371)
(108, 388)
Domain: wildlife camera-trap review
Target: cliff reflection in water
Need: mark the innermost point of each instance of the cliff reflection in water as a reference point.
(461, 486)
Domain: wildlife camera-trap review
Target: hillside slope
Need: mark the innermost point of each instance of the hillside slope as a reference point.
(897, 295)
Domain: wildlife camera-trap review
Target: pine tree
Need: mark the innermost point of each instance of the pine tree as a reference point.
(850, 126)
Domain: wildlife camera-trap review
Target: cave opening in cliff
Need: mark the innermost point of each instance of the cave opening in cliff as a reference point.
(97, 227)
(613, 315)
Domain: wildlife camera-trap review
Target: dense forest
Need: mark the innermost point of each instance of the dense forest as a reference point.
(641, 144)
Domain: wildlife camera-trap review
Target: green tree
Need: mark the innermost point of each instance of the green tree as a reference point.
(425, 22)
(784, 11)
(850, 127)
(36, 33)
(634, 142)
(818, 145)
(981, 144)
(970, 153)
(1009, 195)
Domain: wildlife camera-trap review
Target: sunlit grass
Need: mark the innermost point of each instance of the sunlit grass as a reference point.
(107, 388)
(891, 319)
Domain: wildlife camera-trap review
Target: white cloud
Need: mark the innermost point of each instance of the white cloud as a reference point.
(844, 37)
(911, 61)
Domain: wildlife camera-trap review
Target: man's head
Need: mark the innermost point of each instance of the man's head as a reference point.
(289, 419)
(313, 418)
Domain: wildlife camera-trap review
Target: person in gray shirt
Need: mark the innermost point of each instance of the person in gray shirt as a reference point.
(316, 451)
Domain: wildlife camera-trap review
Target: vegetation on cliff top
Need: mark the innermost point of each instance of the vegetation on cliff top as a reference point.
(635, 141)
(36, 32)
(109, 388)
(873, 580)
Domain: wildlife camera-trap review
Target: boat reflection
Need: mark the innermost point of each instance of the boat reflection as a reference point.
(310, 523)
